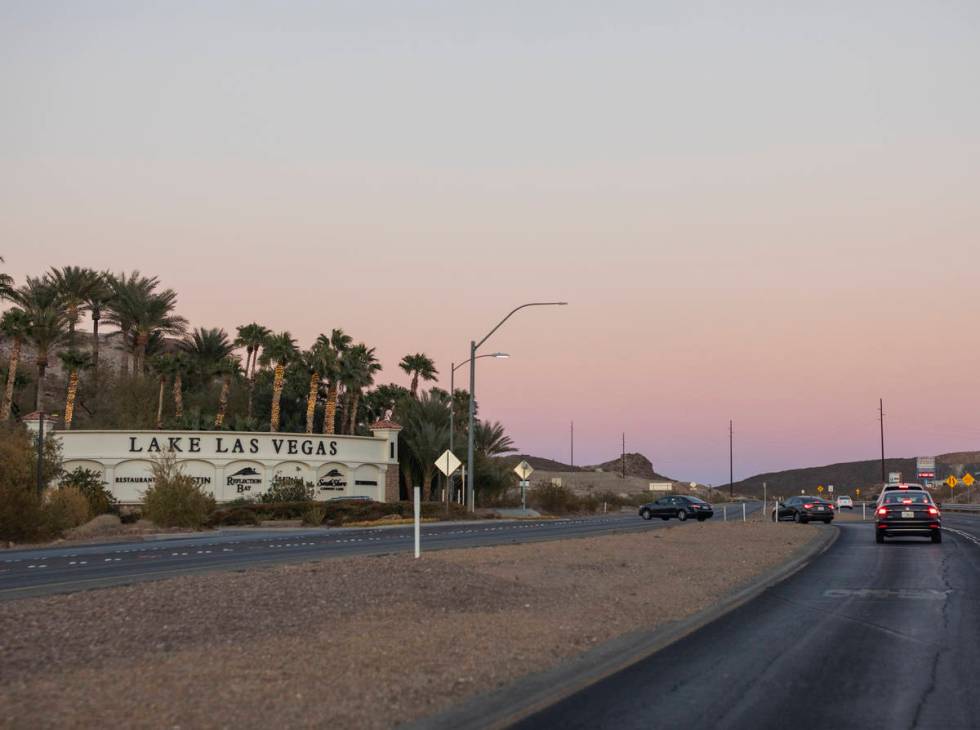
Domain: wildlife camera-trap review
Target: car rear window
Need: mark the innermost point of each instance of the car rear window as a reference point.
(695, 500)
(907, 498)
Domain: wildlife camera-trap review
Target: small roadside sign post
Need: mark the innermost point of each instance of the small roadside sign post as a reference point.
(820, 488)
(447, 463)
(969, 481)
(524, 471)
(830, 488)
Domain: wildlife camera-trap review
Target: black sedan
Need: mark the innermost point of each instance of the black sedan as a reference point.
(909, 513)
(804, 509)
(679, 506)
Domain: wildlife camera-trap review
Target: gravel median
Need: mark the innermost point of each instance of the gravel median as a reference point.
(365, 642)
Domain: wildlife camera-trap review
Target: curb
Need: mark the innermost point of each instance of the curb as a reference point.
(527, 695)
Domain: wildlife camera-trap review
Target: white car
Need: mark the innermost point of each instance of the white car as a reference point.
(845, 503)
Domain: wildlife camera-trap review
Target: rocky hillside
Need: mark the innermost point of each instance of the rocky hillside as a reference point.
(637, 465)
(848, 476)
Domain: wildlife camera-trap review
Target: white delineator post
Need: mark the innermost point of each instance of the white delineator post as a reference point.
(743, 511)
(418, 520)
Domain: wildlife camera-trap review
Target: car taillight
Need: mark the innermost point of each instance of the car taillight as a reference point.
(933, 511)
(882, 511)
(807, 506)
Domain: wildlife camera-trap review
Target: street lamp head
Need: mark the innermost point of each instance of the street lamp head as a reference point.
(500, 355)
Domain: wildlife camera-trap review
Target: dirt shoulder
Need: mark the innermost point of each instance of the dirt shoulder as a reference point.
(357, 643)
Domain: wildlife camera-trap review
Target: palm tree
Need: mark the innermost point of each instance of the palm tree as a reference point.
(163, 366)
(316, 362)
(127, 292)
(280, 350)
(15, 324)
(181, 366)
(74, 284)
(425, 424)
(73, 361)
(227, 368)
(208, 349)
(334, 349)
(358, 368)
(97, 300)
(489, 439)
(6, 284)
(251, 336)
(155, 316)
(418, 366)
(47, 325)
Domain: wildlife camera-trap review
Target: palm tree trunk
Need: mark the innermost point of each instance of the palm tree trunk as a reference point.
(427, 487)
(8, 391)
(70, 400)
(219, 418)
(42, 367)
(178, 396)
(276, 395)
(354, 402)
(415, 384)
(163, 382)
(311, 401)
(330, 413)
(96, 316)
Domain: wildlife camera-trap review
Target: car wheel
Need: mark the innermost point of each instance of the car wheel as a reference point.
(682, 515)
(645, 514)
(879, 537)
(937, 536)
(797, 518)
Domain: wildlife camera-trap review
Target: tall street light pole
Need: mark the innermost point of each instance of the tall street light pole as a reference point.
(474, 346)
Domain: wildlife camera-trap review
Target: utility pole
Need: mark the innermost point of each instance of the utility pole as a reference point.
(624, 455)
(881, 420)
(572, 442)
(731, 460)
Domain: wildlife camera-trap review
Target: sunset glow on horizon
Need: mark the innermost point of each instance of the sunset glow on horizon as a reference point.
(763, 215)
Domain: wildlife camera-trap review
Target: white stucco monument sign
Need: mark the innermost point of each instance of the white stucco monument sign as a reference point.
(231, 465)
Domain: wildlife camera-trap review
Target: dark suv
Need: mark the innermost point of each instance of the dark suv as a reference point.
(679, 506)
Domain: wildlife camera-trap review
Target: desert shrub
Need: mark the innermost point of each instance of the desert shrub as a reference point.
(314, 516)
(90, 484)
(552, 498)
(174, 499)
(66, 507)
(335, 513)
(288, 489)
(22, 513)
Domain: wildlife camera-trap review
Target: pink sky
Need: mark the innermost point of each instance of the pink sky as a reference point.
(755, 216)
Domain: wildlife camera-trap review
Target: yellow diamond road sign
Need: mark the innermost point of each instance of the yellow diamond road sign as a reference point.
(524, 470)
(951, 481)
(968, 479)
(820, 488)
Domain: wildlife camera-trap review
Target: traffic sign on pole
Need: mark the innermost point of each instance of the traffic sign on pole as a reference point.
(968, 479)
(447, 463)
(524, 470)
(952, 481)
(820, 488)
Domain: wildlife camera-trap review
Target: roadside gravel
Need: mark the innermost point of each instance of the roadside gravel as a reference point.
(356, 643)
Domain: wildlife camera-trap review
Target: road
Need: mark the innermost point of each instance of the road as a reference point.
(866, 636)
(47, 571)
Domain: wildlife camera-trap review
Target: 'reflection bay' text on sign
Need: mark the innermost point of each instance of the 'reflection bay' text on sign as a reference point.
(231, 445)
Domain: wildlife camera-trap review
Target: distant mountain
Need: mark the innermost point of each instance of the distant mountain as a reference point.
(637, 465)
(848, 476)
(538, 462)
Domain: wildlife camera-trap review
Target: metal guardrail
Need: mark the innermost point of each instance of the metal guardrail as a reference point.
(951, 507)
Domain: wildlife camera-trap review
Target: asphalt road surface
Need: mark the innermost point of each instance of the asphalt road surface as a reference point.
(64, 569)
(866, 636)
